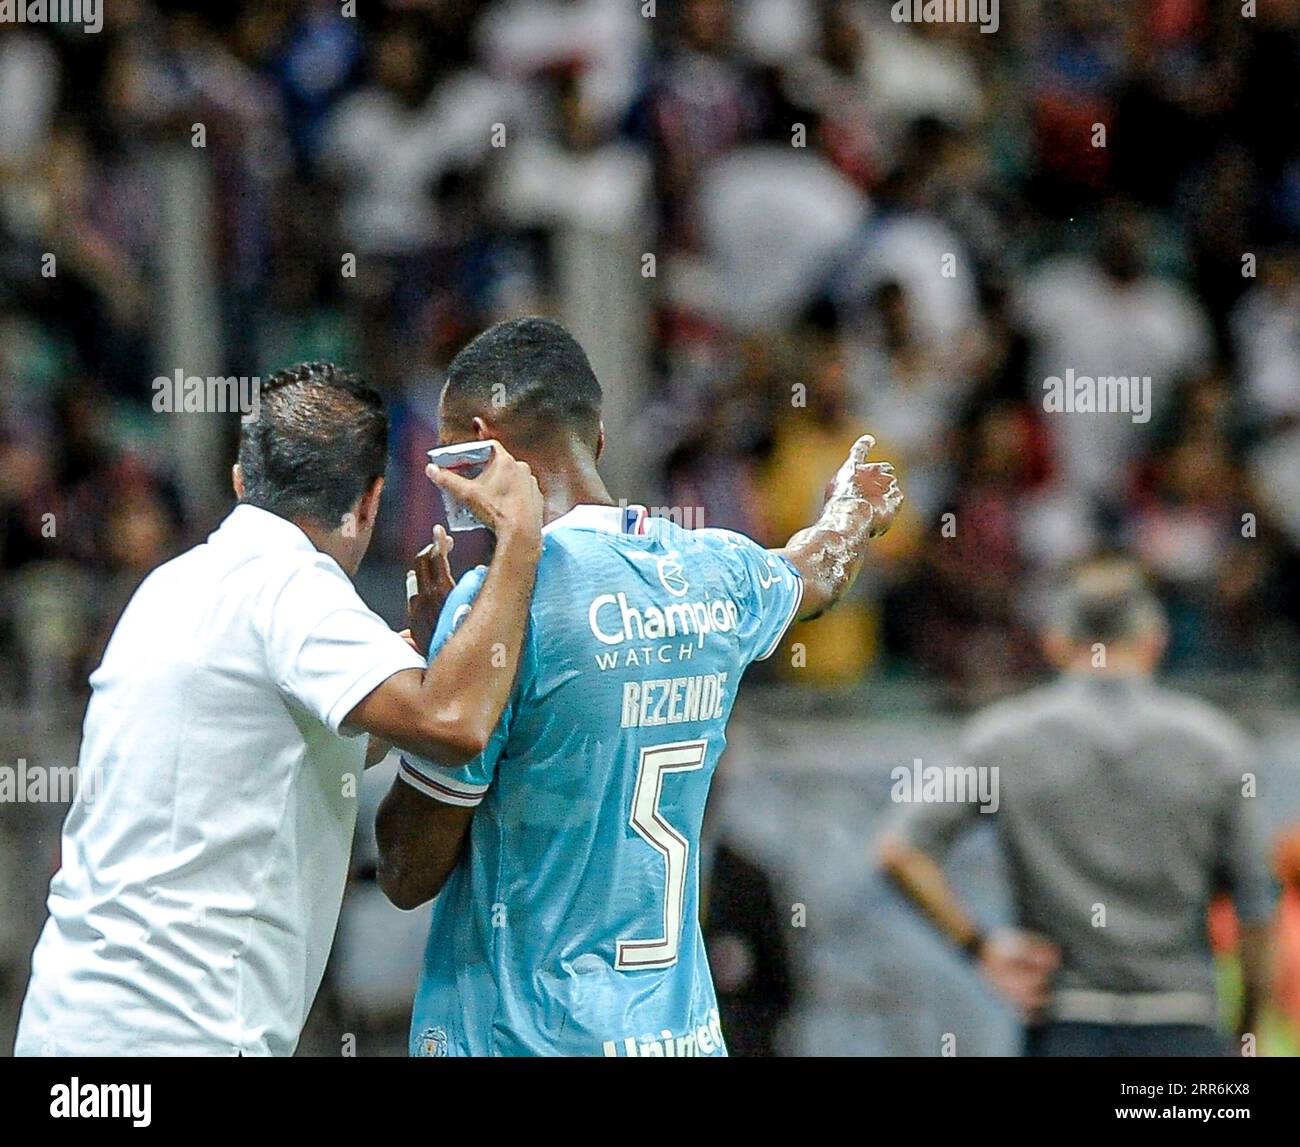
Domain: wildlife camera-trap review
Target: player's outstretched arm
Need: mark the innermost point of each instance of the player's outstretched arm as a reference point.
(864, 497)
(448, 711)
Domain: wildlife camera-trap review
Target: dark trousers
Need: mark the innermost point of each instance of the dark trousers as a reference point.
(1113, 1040)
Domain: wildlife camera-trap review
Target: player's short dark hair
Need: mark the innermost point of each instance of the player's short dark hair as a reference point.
(318, 442)
(531, 371)
(1108, 600)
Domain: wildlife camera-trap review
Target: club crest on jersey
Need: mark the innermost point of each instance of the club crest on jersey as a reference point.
(432, 1043)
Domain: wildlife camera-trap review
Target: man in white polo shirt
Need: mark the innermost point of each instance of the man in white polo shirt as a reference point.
(203, 870)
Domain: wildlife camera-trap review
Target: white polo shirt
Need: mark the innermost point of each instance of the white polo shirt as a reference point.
(205, 855)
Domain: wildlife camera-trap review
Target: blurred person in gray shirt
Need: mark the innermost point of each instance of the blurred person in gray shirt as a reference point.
(1122, 808)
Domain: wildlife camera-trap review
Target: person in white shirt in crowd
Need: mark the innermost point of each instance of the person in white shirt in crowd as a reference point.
(204, 857)
(1106, 316)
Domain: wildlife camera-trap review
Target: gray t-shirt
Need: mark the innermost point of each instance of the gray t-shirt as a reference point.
(1114, 792)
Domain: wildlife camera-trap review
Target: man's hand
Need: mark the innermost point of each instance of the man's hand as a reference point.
(1020, 966)
(861, 502)
(427, 587)
(504, 497)
(872, 482)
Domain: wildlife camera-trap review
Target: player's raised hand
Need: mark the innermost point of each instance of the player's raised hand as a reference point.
(427, 587)
(871, 482)
(861, 502)
(504, 497)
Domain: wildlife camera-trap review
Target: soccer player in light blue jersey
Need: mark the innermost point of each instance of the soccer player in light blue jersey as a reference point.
(564, 859)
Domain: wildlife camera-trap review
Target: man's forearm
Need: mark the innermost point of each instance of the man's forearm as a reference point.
(419, 842)
(922, 880)
(829, 561)
(829, 555)
(474, 672)
(447, 712)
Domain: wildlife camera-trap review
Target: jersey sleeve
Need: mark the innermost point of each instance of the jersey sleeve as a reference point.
(464, 785)
(326, 649)
(769, 591)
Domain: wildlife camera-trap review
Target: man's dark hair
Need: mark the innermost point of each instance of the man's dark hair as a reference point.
(320, 439)
(534, 373)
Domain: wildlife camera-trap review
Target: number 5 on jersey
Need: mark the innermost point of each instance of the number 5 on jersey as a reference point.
(679, 757)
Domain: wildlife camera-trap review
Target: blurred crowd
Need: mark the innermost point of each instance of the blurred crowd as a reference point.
(847, 223)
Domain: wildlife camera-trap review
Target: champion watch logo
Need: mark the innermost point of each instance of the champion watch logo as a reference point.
(671, 574)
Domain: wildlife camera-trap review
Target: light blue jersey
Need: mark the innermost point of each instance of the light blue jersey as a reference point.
(571, 925)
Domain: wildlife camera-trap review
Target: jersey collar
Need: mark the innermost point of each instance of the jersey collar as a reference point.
(623, 519)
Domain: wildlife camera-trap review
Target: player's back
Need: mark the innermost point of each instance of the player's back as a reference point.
(1138, 803)
(571, 926)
